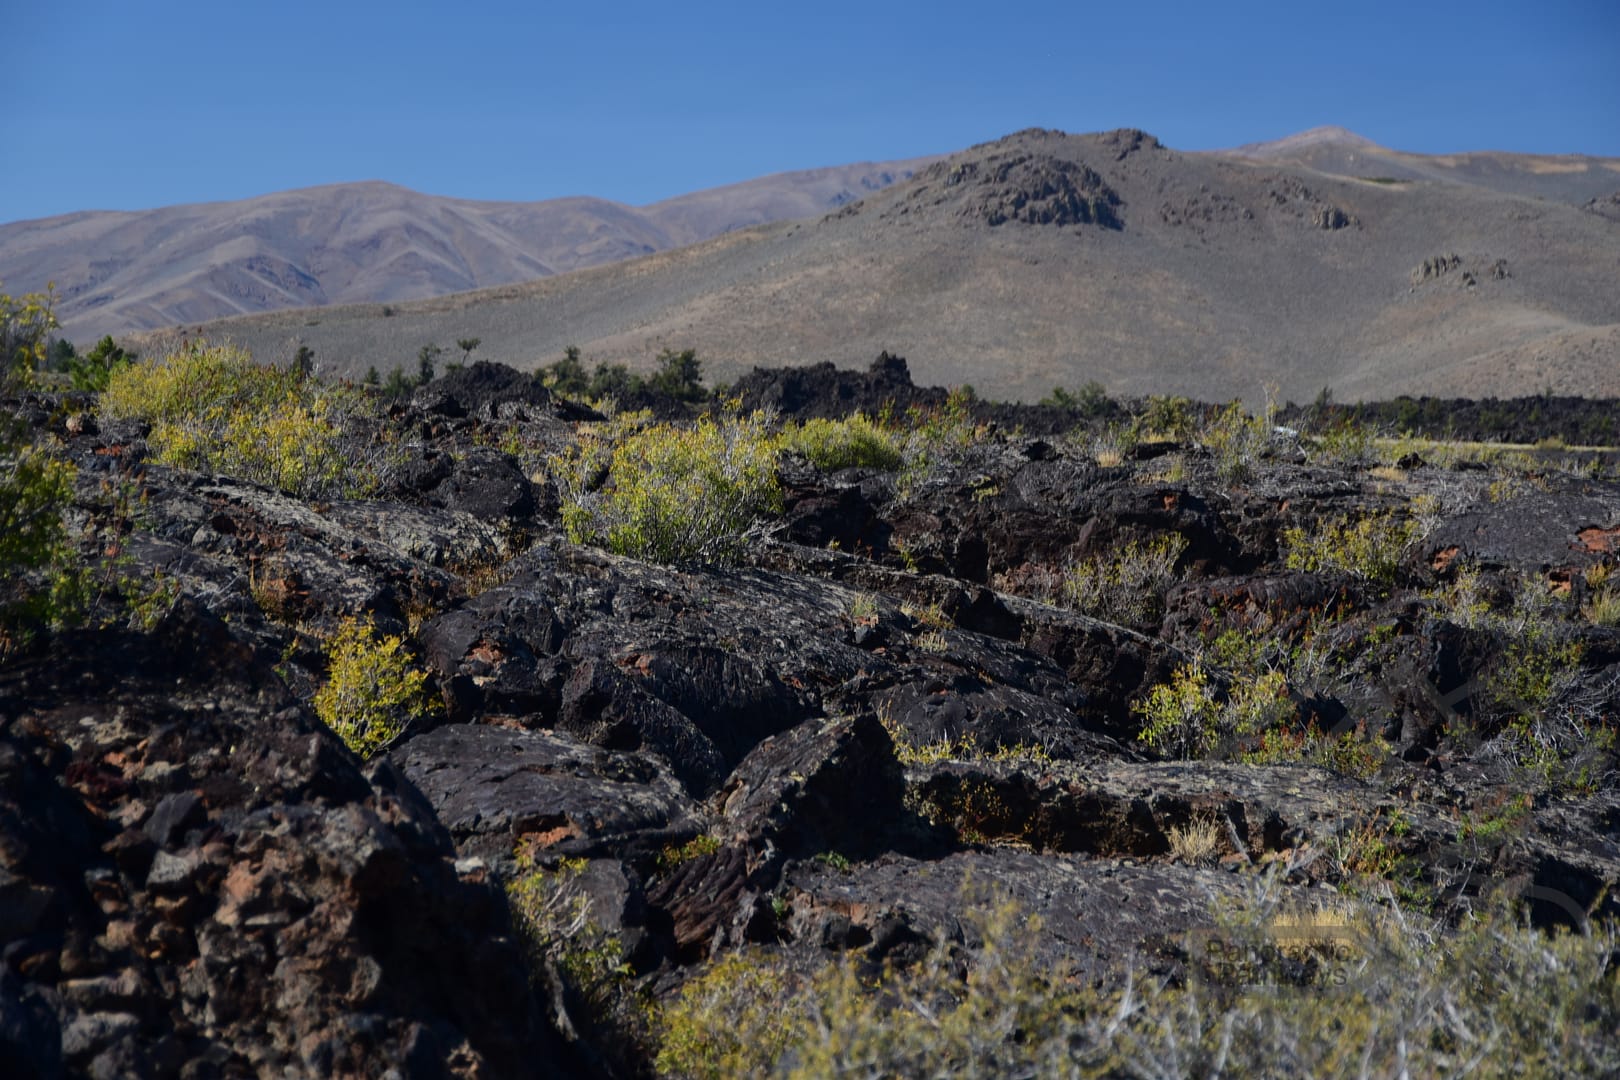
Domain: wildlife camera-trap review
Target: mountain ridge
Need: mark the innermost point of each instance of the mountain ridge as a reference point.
(1047, 259)
(119, 271)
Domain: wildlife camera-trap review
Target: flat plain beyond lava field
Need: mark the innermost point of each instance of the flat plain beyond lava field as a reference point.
(1046, 259)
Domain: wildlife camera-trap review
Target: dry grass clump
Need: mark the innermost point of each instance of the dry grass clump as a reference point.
(1197, 843)
(1127, 586)
(1347, 991)
(1603, 607)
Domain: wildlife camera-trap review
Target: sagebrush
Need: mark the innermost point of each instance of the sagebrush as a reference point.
(674, 494)
(212, 408)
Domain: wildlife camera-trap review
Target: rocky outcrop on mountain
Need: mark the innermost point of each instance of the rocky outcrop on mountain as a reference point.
(1450, 267)
(1435, 266)
(1027, 187)
(1290, 196)
(1605, 206)
(903, 705)
(1330, 218)
(1203, 209)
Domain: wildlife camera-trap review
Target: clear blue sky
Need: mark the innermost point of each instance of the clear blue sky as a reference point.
(119, 105)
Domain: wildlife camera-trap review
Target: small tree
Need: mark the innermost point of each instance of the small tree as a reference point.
(304, 361)
(680, 375)
(95, 369)
(399, 384)
(60, 355)
(467, 345)
(613, 380)
(568, 374)
(425, 356)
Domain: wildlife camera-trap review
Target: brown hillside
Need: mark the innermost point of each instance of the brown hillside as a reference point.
(369, 243)
(1045, 259)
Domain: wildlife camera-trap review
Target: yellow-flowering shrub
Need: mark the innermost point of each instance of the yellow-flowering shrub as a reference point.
(1187, 717)
(372, 691)
(673, 493)
(842, 444)
(40, 581)
(1369, 548)
(729, 1021)
(1375, 994)
(26, 323)
(551, 911)
(1129, 587)
(212, 408)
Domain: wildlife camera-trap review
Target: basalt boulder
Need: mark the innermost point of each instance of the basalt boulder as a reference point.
(202, 880)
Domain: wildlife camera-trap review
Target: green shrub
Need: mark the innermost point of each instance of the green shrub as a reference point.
(1091, 401)
(372, 693)
(1554, 734)
(95, 369)
(674, 493)
(950, 425)
(41, 585)
(856, 442)
(1167, 417)
(552, 914)
(213, 409)
(1238, 441)
(1130, 586)
(1369, 548)
(1345, 442)
(1189, 717)
(673, 855)
(1351, 990)
(1534, 671)
(960, 748)
(25, 326)
(1258, 723)
(1181, 718)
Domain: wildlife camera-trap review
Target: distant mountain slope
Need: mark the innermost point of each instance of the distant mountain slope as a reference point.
(369, 242)
(1045, 259)
(1571, 178)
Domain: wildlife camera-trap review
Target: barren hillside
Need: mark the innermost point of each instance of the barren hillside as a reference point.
(372, 242)
(1044, 259)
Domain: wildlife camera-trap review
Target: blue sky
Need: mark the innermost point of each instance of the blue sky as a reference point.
(125, 106)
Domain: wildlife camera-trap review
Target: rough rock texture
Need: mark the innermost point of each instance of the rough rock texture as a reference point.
(200, 880)
(895, 907)
(1537, 530)
(828, 391)
(494, 787)
(489, 390)
(878, 720)
(1605, 206)
(1027, 187)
